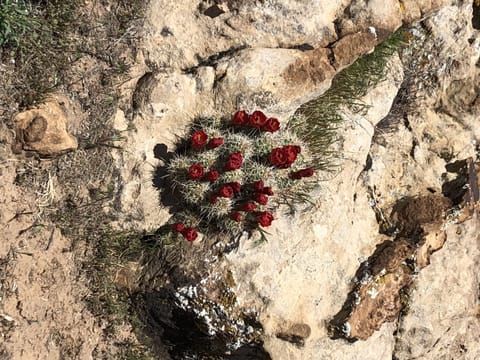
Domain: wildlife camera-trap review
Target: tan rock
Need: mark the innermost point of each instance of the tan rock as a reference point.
(264, 78)
(385, 14)
(443, 317)
(377, 297)
(251, 24)
(295, 333)
(431, 242)
(311, 68)
(44, 129)
(410, 10)
(302, 275)
(350, 47)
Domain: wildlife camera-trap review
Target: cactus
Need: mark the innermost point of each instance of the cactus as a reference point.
(235, 174)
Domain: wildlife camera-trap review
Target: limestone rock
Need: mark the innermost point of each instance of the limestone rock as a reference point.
(181, 44)
(443, 316)
(305, 262)
(271, 78)
(351, 46)
(44, 129)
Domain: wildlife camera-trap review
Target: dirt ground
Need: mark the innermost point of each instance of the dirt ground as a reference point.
(57, 300)
(42, 314)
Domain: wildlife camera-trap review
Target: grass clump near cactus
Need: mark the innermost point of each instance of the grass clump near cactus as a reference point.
(318, 120)
(234, 174)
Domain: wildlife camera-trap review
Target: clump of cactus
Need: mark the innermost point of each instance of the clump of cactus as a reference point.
(235, 174)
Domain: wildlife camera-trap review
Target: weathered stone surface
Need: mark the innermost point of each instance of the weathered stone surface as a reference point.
(383, 282)
(384, 16)
(271, 79)
(411, 10)
(411, 214)
(243, 24)
(310, 68)
(376, 297)
(44, 129)
(443, 318)
(351, 46)
(306, 261)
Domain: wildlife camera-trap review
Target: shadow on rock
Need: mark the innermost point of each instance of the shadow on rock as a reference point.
(169, 197)
(183, 334)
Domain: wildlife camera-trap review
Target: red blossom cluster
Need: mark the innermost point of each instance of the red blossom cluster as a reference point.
(259, 196)
(234, 161)
(188, 233)
(265, 218)
(200, 139)
(256, 120)
(249, 199)
(285, 156)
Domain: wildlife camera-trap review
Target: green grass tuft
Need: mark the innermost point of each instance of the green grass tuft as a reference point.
(16, 20)
(317, 121)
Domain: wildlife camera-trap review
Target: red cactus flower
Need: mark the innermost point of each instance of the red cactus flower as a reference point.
(295, 175)
(214, 199)
(234, 161)
(302, 173)
(258, 185)
(179, 227)
(214, 143)
(236, 187)
(196, 171)
(257, 119)
(307, 172)
(249, 206)
(262, 199)
(291, 153)
(265, 218)
(240, 118)
(271, 125)
(212, 175)
(226, 191)
(284, 157)
(267, 191)
(278, 157)
(199, 139)
(236, 216)
(190, 234)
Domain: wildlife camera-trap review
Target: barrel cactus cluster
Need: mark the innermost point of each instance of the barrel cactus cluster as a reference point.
(235, 173)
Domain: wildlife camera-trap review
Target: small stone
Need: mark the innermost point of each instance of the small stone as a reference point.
(44, 129)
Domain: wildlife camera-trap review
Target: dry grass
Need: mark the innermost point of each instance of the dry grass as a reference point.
(52, 43)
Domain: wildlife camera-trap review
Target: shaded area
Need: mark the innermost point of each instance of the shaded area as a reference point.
(169, 197)
(476, 15)
(183, 334)
(181, 322)
(455, 189)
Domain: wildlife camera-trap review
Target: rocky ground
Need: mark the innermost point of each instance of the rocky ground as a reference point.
(383, 265)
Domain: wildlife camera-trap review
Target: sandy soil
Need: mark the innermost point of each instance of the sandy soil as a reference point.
(42, 312)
